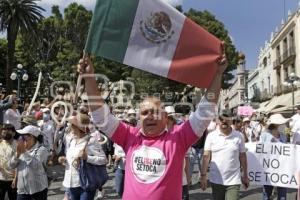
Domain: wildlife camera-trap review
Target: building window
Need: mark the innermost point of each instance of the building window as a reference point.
(278, 79)
(242, 81)
(265, 61)
(269, 84)
(286, 73)
(293, 69)
(291, 39)
(242, 97)
(284, 45)
(278, 52)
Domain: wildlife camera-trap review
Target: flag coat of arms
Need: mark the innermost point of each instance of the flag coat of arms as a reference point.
(153, 36)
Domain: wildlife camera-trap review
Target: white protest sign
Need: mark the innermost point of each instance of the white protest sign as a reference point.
(274, 164)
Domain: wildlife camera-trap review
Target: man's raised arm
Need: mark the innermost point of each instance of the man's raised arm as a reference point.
(206, 109)
(101, 115)
(86, 69)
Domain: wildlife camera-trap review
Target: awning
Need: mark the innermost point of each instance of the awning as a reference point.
(274, 103)
(286, 102)
(262, 106)
(280, 103)
(281, 109)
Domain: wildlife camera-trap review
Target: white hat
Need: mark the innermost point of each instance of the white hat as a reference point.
(32, 130)
(131, 111)
(45, 110)
(277, 119)
(246, 119)
(170, 110)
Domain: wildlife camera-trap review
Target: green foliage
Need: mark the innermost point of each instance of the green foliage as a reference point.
(60, 42)
(3, 46)
(17, 16)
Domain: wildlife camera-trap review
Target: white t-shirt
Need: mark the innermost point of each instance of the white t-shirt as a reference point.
(212, 126)
(95, 156)
(225, 152)
(295, 123)
(120, 152)
(184, 175)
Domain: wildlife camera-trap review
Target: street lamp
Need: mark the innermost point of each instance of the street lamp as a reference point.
(292, 81)
(19, 73)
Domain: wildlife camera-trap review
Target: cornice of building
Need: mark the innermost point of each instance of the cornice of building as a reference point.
(252, 75)
(285, 29)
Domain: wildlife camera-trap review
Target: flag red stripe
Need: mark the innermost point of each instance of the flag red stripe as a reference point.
(196, 55)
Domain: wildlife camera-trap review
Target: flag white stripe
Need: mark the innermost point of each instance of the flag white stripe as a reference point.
(146, 55)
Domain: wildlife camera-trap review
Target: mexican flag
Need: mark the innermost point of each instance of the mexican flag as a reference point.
(153, 36)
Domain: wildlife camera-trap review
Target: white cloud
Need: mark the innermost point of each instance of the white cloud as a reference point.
(175, 2)
(89, 4)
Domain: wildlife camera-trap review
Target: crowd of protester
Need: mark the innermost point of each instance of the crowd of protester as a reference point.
(31, 141)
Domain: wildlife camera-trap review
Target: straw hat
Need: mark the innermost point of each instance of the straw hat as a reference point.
(246, 119)
(80, 120)
(277, 119)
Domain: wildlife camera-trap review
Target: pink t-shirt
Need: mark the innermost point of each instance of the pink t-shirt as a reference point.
(154, 165)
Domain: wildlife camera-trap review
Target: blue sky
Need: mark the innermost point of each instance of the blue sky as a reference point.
(249, 22)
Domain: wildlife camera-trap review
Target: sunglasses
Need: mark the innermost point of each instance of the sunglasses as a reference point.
(24, 137)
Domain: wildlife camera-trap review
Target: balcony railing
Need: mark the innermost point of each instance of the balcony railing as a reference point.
(277, 63)
(288, 53)
(265, 95)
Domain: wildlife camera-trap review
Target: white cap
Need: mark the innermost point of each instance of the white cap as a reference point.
(246, 119)
(131, 111)
(170, 110)
(45, 110)
(32, 130)
(277, 119)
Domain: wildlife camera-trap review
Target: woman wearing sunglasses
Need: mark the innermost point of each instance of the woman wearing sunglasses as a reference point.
(80, 146)
(30, 161)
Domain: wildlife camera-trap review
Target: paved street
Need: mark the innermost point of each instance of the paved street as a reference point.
(254, 192)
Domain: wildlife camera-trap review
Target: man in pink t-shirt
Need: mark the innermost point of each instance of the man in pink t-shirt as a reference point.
(154, 155)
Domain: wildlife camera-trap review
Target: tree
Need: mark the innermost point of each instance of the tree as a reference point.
(208, 21)
(60, 42)
(15, 16)
(3, 47)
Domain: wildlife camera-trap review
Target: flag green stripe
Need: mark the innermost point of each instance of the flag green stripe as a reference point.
(110, 28)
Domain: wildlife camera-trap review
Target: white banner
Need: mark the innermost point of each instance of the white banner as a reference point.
(274, 164)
